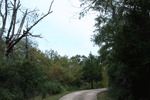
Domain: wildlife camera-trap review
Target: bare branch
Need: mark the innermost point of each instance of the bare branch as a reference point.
(11, 3)
(35, 35)
(26, 32)
(12, 20)
(15, 38)
(50, 6)
(14, 43)
(14, 23)
(18, 5)
(4, 20)
(49, 11)
(21, 24)
(1, 10)
(21, 10)
(33, 10)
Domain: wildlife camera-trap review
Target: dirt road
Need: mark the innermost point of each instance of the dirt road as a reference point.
(83, 95)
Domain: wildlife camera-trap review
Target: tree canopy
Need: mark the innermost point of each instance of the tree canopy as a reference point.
(92, 71)
(122, 32)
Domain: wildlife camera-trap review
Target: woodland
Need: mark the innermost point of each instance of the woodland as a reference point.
(26, 71)
(122, 31)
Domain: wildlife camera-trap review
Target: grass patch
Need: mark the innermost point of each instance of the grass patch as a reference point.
(103, 96)
(51, 88)
(52, 97)
(65, 89)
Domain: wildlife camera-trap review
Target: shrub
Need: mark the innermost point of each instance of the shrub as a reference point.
(6, 95)
(70, 88)
(77, 82)
(51, 88)
(21, 78)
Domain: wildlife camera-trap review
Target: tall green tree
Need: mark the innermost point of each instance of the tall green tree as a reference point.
(76, 64)
(132, 49)
(122, 32)
(52, 55)
(92, 70)
(64, 61)
(79, 59)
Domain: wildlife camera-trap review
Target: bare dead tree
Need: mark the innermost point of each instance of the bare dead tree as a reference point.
(4, 17)
(13, 38)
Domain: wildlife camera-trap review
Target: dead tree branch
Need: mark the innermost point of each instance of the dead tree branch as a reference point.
(4, 17)
(12, 39)
(49, 11)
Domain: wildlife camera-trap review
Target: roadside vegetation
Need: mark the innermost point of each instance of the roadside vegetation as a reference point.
(64, 90)
(122, 32)
(27, 72)
(45, 74)
(52, 97)
(103, 96)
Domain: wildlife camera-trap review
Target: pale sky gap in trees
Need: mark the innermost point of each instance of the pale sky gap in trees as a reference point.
(62, 31)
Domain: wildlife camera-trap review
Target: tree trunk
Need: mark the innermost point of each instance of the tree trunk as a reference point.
(5, 53)
(92, 84)
(26, 47)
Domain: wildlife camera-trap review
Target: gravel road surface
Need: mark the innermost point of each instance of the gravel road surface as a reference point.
(83, 95)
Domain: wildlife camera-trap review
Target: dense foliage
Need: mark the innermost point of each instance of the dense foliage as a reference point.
(20, 79)
(26, 71)
(92, 71)
(42, 73)
(123, 33)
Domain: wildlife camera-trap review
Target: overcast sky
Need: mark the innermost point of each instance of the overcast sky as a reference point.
(62, 31)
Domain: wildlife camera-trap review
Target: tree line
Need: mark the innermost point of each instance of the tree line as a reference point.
(21, 77)
(24, 69)
(123, 34)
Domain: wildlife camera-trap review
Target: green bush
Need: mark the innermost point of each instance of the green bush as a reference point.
(51, 88)
(6, 95)
(21, 78)
(65, 86)
(77, 82)
(71, 87)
